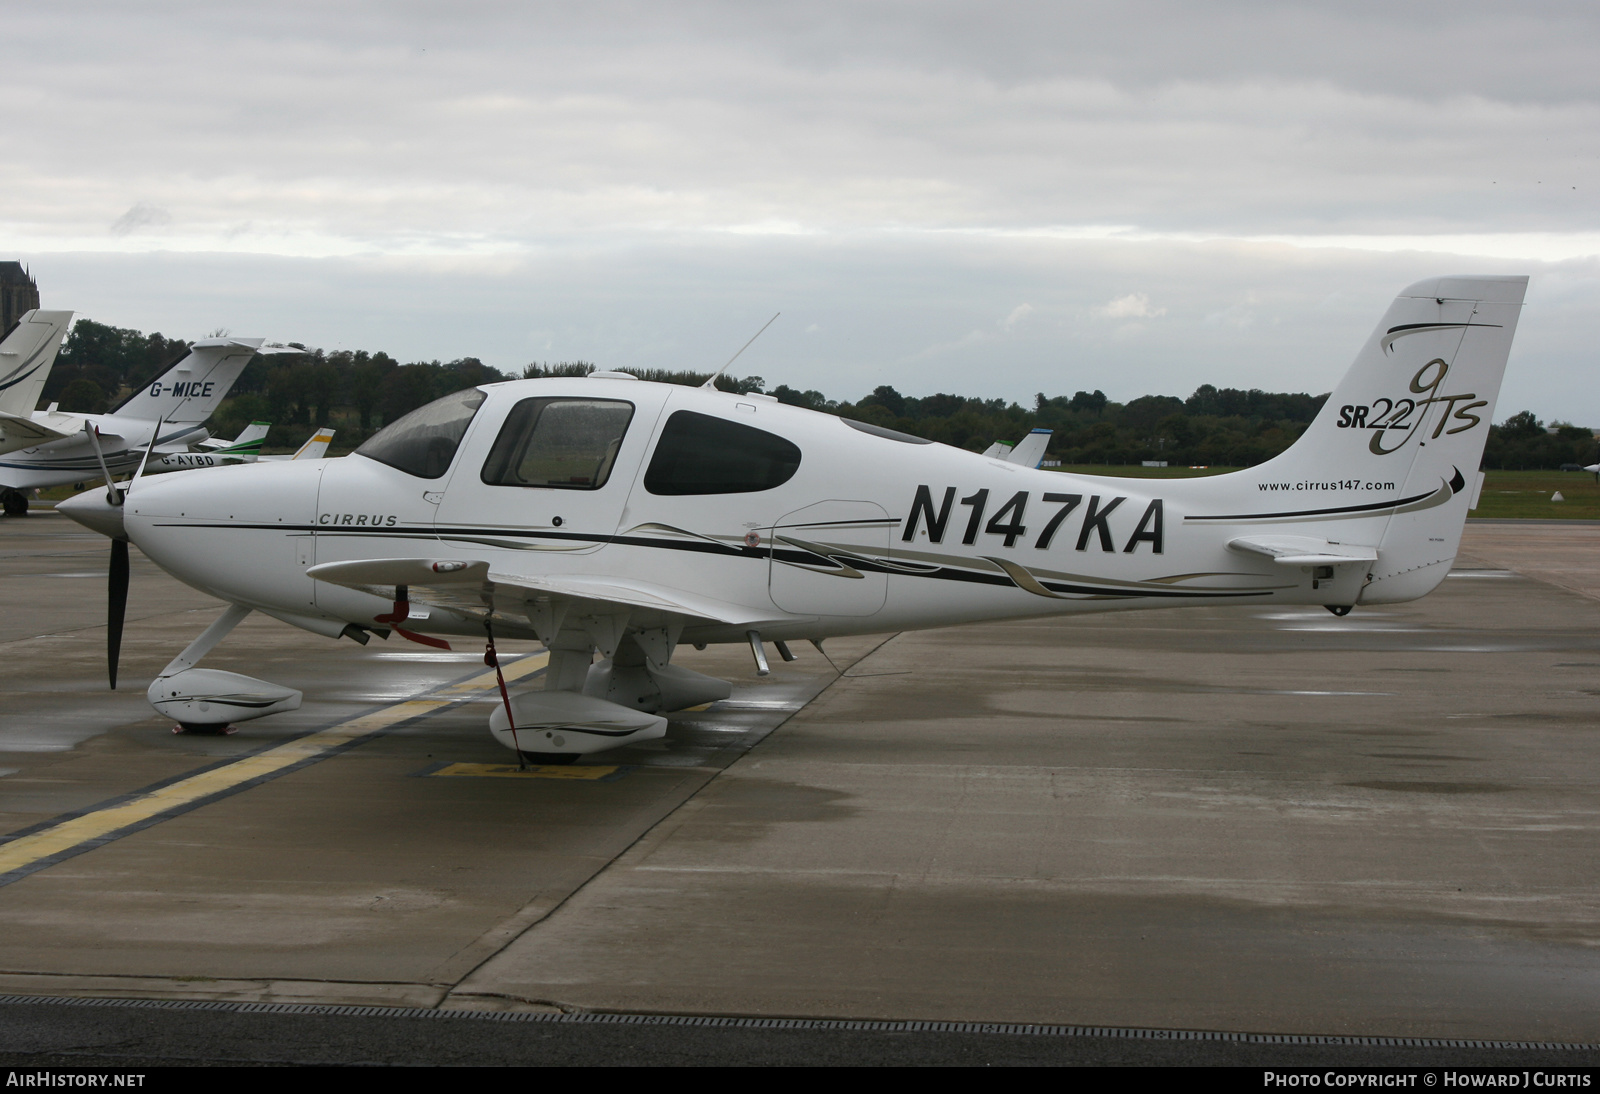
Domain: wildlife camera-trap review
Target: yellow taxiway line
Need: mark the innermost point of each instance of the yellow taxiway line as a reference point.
(34, 850)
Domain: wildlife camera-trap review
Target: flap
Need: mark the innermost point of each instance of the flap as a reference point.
(1303, 550)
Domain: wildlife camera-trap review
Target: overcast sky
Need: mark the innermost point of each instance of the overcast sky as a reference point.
(990, 199)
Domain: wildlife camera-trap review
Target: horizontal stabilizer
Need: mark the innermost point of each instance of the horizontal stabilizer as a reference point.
(1303, 550)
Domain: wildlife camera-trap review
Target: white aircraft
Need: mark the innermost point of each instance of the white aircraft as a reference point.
(168, 413)
(212, 452)
(1029, 451)
(26, 355)
(605, 513)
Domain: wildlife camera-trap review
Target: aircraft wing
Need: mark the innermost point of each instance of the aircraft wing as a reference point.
(21, 432)
(1303, 550)
(473, 590)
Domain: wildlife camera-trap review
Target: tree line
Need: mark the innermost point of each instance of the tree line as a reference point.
(357, 393)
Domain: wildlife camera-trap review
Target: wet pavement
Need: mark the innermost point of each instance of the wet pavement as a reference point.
(1248, 820)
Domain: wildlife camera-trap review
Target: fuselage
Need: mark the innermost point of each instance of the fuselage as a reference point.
(824, 526)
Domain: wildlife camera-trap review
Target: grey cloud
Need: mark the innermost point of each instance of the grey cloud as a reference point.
(140, 215)
(519, 122)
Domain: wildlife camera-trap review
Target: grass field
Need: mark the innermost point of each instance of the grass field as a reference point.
(1506, 494)
(1525, 494)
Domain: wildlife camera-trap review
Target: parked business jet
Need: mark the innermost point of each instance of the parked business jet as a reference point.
(167, 414)
(605, 513)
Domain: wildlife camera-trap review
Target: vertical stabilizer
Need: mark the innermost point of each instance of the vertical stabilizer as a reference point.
(26, 356)
(315, 448)
(246, 447)
(1029, 450)
(191, 390)
(1391, 459)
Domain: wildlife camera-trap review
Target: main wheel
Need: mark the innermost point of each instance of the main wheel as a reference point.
(552, 758)
(16, 503)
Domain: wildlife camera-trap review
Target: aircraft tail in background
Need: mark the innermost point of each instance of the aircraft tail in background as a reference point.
(26, 355)
(1029, 451)
(190, 391)
(316, 447)
(245, 448)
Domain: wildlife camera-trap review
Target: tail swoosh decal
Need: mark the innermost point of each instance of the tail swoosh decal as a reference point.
(1417, 502)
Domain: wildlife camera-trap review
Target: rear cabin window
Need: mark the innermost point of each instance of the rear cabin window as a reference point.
(699, 454)
(568, 444)
(425, 441)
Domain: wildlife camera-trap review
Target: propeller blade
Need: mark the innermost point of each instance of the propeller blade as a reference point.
(113, 495)
(116, 605)
(149, 448)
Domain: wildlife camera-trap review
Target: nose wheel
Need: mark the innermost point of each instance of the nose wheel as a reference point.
(206, 730)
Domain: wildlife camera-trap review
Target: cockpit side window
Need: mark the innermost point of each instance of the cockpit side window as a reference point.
(425, 441)
(568, 444)
(699, 454)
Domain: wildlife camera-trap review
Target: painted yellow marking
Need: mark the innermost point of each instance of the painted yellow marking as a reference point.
(102, 823)
(510, 771)
(513, 671)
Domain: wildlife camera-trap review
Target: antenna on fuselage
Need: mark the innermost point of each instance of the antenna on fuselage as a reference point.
(713, 380)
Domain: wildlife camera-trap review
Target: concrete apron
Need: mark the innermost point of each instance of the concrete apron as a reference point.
(1251, 820)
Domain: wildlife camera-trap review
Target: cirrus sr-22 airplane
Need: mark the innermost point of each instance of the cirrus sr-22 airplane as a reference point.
(608, 514)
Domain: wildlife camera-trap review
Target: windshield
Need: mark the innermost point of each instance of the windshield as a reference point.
(425, 441)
